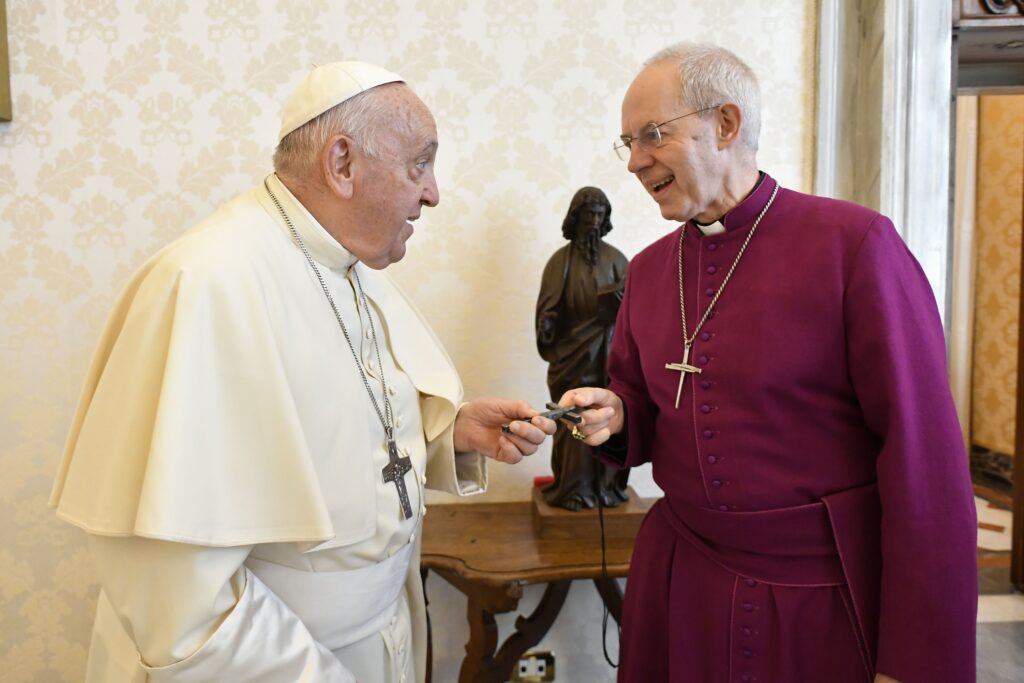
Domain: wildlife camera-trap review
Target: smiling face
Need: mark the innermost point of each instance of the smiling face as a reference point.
(390, 192)
(684, 175)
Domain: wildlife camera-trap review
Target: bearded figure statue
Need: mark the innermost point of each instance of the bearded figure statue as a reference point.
(580, 293)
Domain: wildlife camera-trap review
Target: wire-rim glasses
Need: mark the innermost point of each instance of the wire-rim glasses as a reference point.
(650, 136)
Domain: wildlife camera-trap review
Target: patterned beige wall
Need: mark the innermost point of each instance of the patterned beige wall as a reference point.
(998, 224)
(135, 118)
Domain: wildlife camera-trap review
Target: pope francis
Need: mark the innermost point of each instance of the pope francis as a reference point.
(264, 410)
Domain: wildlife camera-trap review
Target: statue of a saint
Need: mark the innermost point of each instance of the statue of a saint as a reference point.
(579, 298)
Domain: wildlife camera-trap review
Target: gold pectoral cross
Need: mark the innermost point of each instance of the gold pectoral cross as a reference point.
(683, 368)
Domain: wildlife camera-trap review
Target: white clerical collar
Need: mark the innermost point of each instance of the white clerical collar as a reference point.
(715, 228)
(322, 247)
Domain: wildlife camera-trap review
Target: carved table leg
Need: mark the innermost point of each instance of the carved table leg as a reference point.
(483, 638)
(611, 594)
(481, 664)
(530, 630)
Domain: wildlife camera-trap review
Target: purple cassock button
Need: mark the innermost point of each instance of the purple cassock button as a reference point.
(748, 607)
(703, 360)
(746, 631)
(708, 434)
(705, 384)
(705, 408)
(704, 336)
(712, 246)
(711, 270)
(709, 292)
(717, 483)
(748, 653)
(745, 679)
(712, 459)
(750, 582)
(723, 508)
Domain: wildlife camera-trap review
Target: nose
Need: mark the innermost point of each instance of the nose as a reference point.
(639, 158)
(431, 195)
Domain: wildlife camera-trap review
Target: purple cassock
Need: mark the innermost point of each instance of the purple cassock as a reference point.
(818, 524)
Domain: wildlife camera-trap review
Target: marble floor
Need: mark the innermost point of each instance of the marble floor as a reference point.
(1001, 639)
(1000, 634)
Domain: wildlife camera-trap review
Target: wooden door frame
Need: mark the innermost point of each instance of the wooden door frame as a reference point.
(1017, 537)
(997, 79)
(915, 123)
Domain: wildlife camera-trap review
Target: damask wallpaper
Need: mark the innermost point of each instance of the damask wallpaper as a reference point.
(998, 225)
(135, 118)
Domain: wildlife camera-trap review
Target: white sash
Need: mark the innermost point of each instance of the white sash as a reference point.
(339, 608)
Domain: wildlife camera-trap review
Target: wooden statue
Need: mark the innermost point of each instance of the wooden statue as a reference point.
(580, 294)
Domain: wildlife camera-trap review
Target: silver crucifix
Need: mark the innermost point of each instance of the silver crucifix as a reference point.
(395, 471)
(683, 368)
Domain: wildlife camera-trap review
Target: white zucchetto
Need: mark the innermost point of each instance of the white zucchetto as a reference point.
(327, 86)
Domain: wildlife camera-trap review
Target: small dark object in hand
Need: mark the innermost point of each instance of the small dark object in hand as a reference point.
(554, 412)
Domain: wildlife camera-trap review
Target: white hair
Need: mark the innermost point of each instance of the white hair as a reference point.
(709, 76)
(363, 117)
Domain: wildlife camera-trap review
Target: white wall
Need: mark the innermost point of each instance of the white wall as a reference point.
(135, 118)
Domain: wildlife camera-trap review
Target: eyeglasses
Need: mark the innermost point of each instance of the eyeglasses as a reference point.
(650, 135)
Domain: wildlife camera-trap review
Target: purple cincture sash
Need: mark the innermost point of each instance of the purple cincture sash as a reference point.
(834, 542)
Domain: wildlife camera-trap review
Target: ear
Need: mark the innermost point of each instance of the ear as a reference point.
(729, 121)
(338, 165)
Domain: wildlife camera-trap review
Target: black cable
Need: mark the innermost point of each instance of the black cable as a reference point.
(604, 575)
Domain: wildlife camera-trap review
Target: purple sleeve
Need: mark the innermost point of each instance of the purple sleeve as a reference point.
(627, 381)
(897, 362)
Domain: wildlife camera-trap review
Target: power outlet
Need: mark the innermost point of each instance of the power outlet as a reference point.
(536, 666)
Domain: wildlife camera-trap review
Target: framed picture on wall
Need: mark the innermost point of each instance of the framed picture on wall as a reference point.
(5, 67)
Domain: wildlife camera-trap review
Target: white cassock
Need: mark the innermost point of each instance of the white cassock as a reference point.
(226, 460)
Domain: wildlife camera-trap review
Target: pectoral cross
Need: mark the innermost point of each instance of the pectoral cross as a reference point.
(683, 368)
(395, 471)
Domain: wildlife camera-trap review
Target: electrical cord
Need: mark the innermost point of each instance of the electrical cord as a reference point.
(604, 575)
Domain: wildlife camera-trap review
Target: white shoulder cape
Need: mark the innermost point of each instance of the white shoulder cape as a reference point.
(207, 409)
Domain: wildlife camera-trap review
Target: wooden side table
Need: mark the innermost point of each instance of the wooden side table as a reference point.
(489, 551)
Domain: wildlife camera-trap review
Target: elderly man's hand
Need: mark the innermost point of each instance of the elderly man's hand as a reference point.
(604, 418)
(478, 428)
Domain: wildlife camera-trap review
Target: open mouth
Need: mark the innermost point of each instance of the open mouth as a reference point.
(661, 185)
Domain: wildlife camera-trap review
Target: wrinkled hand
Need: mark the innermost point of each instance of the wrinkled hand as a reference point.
(478, 428)
(605, 417)
(882, 678)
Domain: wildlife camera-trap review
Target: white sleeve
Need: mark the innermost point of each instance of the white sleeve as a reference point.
(196, 614)
(461, 474)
